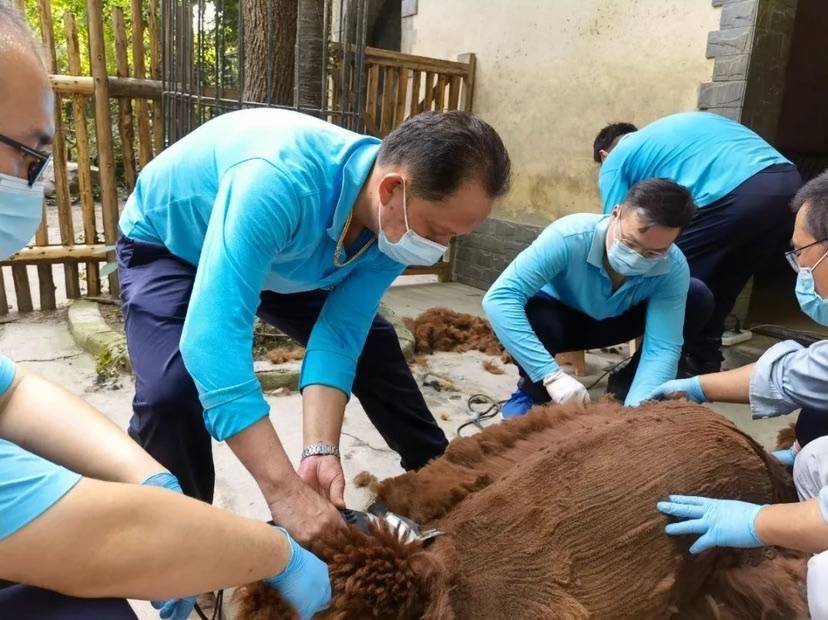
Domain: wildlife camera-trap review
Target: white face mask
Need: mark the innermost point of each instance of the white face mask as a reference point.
(21, 209)
(411, 249)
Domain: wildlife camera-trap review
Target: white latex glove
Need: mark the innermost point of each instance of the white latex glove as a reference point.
(562, 388)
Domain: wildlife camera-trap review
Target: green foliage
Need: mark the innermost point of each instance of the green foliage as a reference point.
(79, 9)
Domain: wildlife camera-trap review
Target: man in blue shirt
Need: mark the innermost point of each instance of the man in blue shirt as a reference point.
(741, 185)
(278, 214)
(591, 281)
(786, 378)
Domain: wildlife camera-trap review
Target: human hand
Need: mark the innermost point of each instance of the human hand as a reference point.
(562, 388)
(691, 388)
(304, 512)
(721, 522)
(324, 475)
(304, 582)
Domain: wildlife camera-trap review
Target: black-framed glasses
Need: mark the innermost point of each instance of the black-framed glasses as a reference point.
(41, 158)
(792, 256)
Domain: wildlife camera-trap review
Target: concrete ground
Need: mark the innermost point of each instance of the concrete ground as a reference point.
(42, 343)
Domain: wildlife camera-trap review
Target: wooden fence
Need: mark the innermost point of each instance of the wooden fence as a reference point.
(398, 86)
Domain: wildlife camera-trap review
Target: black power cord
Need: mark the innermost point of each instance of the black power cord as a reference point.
(490, 409)
(216, 609)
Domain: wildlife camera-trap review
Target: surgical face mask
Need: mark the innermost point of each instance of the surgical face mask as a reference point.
(809, 300)
(626, 261)
(411, 249)
(21, 209)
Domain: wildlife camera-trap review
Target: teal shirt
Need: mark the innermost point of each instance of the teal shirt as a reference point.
(29, 485)
(707, 153)
(257, 200)
(567, 262)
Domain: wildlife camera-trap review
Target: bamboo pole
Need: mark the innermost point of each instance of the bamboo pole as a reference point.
(87, 200)
(57, 253)
(131, 88)
(103, 130)
(126, 128)
(139, 71)
(155, 74)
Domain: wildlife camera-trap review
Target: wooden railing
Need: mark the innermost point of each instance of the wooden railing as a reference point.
(81, 99)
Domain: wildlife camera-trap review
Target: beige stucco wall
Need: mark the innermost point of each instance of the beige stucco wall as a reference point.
(551, 73)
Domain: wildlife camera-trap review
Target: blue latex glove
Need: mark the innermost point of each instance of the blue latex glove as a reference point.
(692, 387)
(786, 457)
(304, 582)
(176, 608)
(721, 522)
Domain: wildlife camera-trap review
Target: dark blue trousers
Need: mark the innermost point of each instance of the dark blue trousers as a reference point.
(561, 328)
(19, 602)
(729, 241)
(167, 414)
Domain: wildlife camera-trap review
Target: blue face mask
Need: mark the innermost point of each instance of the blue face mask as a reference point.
(809, 300)
(411, 249)
(627, 262)
(21, 209)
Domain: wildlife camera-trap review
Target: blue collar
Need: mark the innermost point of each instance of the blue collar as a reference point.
(354, 174)
(597, 252)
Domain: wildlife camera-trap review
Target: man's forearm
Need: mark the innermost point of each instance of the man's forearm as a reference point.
(260, 451)
(323, 410)
(798, 526)
(48, 421)
(730, 386)
(139, 542)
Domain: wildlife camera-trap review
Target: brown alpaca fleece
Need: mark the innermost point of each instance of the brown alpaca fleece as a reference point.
(374, 575)
(553, 515)
(441, 329)
(786, 437)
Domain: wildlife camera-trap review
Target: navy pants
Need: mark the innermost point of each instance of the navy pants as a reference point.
(729, 241)
(167, 414)
(19, 602)
(561, 328)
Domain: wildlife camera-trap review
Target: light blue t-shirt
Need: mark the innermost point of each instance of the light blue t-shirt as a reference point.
(707, 153)
(257, 200)
(566, 261)
(29, 485)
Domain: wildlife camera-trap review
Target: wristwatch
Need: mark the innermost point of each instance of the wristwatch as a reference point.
(320, 448)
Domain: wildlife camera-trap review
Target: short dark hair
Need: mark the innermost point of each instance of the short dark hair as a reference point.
(815, 193)
(662, 202)
(608, 135)
(442, 150)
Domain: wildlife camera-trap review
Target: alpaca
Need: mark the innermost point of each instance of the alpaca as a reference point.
(553, 515)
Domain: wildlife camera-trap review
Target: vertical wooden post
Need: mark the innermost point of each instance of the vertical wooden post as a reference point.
(87, 200)
(414, 109)
(4, 302)
(454, 92)
(440, 96)
(428, 93)
(139, 71)
(402, 90)
(103, 131)
(467, 99)
(155, 73)
(125, 124)
(387, 101)
(22, 292)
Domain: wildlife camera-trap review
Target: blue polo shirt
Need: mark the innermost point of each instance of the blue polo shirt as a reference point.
(29, 485)
(707, 153)
(567, 262)
(257, 200)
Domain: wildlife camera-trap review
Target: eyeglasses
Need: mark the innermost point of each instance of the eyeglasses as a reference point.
(650, 254)
(792, 256)
(41, 159)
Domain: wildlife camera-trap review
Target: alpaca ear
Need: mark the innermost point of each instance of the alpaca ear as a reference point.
(432, 574)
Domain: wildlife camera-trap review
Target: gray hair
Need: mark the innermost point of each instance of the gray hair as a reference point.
(14, 29)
